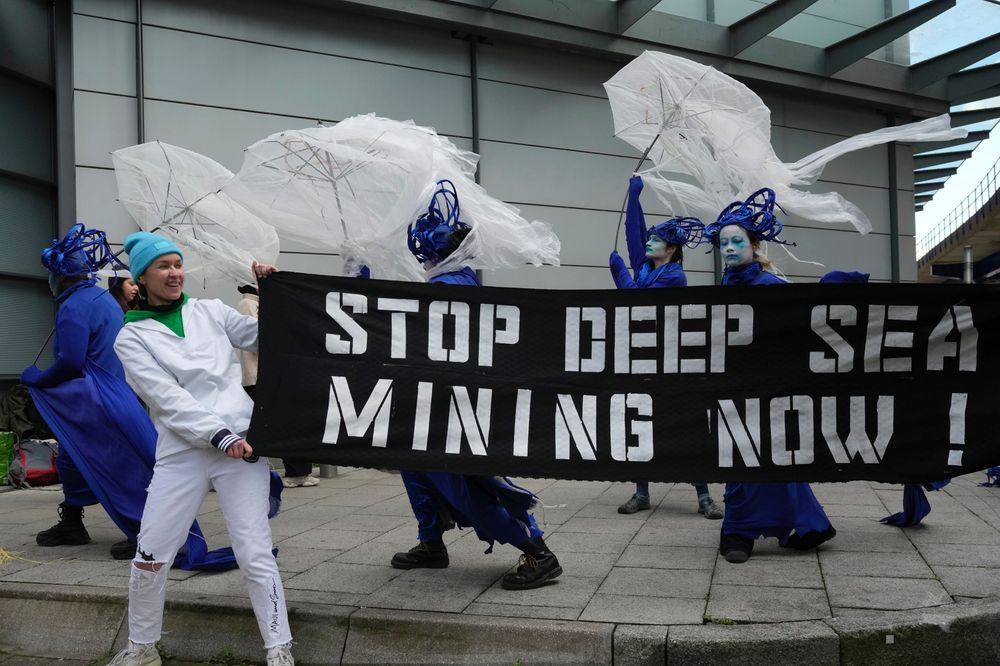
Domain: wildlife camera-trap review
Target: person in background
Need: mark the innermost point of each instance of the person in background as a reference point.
(124, 289)
(297, 474)
(656, 257)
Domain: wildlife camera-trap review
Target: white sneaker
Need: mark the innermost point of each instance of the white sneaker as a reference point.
(307, 481)
(280, 655)
(137, 654)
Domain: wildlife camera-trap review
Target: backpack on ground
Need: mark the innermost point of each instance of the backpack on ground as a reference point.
(34, 463)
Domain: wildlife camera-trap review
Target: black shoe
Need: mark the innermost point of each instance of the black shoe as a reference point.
(735, 548)
(69, 531)
(123, 550)
(810, 539)
(425, 555)
(532, 572)
(635, 503)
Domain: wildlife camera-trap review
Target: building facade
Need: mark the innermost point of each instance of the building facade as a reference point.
(519, 85)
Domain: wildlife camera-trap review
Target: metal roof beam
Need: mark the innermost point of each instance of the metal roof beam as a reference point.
(971, 81)
(985, 93)
(928, 187)
(631, 12)
(856, 47)
(933, 174)
(959, 118)
(978, 135)
(921, 161)
(934, 69)
(749, 30)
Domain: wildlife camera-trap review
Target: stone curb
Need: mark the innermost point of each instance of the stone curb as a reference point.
(88, 622)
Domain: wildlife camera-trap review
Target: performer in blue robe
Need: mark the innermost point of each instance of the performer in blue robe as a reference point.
(788, 511)
(493, 506)
(106, 440)
(656, 257)
(916, 507)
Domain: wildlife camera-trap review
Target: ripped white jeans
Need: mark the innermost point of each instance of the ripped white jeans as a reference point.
(179, 486)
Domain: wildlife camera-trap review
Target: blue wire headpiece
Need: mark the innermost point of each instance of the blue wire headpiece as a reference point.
(755, 215)
(81, 251)
(431, 233)
(679, 231)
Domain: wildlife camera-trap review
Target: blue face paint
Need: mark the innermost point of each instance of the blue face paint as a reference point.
(735, 246)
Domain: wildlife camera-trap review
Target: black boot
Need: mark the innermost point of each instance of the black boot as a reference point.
(69, 531)
(735, 548)
(810, 539)
(536, 567)
(123, 550)
(425, 555)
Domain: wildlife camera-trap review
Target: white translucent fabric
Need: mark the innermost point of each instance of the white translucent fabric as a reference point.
(709, 139)
(327, 185)
(175, 192)
(355, 187)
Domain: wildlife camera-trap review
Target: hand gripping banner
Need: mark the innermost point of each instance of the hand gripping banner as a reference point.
(809, 382)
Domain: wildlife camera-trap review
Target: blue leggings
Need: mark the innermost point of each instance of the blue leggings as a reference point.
(76, 492)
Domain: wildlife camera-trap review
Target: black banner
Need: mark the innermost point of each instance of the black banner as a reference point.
(805, 382)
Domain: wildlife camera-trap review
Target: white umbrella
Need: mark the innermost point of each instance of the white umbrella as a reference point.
(176, 192)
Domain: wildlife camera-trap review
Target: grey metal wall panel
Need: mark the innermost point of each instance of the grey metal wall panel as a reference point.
(221, 134)
(105, 123)
(27, 320)
(519, 114)
(122, 10)
(529, 174)
(907, 261)
(299, 26)
(221, 72)
(26, 217)
(835, 250)
(26, 142)
(546, 68)
(24, 35)
(103, 55)
(97, 203)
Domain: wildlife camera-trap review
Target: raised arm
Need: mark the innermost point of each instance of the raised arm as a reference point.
(635, 226)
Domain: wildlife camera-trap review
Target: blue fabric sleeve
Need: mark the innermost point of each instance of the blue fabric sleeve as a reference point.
(635, 226)
(72, 336)
(670, 278)
(619, 273)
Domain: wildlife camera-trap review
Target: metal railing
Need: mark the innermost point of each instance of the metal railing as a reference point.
(987, 192)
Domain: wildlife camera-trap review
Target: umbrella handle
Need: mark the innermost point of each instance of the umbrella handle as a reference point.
(621, 216)
(44, 345)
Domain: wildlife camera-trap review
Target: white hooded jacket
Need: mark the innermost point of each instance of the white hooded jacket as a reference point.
(192, 384)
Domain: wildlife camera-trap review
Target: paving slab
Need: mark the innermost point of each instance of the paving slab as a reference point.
(641, 588)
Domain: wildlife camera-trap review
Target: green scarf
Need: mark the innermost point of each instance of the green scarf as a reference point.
(169, 315)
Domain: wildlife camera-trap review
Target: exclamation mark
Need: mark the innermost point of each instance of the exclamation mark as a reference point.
(957, 436)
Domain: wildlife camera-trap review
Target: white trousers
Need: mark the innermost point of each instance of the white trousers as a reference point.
(179, 486)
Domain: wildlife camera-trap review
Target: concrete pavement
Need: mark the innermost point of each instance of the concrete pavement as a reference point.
(645, 588)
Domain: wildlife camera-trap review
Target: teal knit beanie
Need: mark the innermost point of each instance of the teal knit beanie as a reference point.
(143, 248)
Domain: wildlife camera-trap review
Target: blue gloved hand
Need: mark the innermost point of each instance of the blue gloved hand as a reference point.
(635, 184)
(616, 263)
(31, 375)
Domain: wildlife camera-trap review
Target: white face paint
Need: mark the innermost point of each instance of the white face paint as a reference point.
(735, 246)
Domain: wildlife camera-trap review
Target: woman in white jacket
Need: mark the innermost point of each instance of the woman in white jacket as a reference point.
(179, 356)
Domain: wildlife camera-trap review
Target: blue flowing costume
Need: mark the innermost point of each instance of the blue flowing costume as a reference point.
(107, 444)
(756, 510)
(493, 506)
